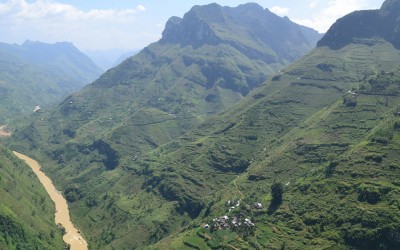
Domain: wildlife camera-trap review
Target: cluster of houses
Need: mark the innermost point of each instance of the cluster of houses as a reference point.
(224, 222)
(237, 221)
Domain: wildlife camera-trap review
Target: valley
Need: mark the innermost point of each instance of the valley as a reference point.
(72, 235)
(40, 74)
(26, 210)
(237, 129)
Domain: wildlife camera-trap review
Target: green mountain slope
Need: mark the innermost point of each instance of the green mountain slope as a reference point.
(38, 74)
(26, 211)
(309, 137)
(164, 190)
(203, 64)
(331, 152)
(149, 100)
(364, 26)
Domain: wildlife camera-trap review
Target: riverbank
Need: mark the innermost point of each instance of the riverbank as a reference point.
(72, 236)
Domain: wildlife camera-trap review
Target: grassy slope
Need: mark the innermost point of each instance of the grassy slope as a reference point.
(353, 203)
(161, 191)
(170, 86)
(26, 211)
(27, 79)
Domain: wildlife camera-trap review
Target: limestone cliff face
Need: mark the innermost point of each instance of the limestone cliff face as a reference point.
(218, 47)
(365, 26)
(213, 24)
(192, 29)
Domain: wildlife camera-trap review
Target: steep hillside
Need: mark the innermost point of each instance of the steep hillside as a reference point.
(338, 171)
(164, 190)
(322, 133)
(149, 100)
(364, 27)
(337, 168)
(205, 62)
(38, 74)
(26, 211)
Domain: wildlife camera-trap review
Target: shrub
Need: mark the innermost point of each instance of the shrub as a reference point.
(349, 101)
(330, 169)
(277, 193)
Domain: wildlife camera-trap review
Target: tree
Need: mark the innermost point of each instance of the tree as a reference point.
(330, 169)
(349, 101)
(277, 193)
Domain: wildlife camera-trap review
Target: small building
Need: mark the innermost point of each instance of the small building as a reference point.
(37, 109)
(258, 205)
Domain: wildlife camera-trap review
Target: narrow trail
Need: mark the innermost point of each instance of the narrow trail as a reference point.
(237, 188)
(72, 236)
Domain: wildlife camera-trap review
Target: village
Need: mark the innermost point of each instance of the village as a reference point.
(238, 218)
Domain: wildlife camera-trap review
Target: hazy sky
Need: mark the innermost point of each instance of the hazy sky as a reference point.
(133, 24)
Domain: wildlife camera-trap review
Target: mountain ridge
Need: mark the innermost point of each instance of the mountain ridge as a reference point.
(362, 26)
(147, 101)
(267, 28)
(324, 130)
(37, 73)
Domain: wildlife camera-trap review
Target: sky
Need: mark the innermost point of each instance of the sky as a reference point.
(134, 24)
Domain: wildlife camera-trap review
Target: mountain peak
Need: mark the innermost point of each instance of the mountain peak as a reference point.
(391, 6)
(194, 28)
(213, 24)
(42, 45)
(365, 26)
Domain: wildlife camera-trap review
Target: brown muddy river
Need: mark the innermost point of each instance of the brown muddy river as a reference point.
(72, 236)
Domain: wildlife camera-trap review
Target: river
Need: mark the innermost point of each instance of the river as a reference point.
(72, 236)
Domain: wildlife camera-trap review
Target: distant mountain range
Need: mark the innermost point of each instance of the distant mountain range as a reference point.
(107, 59)
(198, 142)
(207, 61)
(184, 78)
(36, 73)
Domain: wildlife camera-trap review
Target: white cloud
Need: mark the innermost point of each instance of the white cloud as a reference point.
(333, 10)
(141, 7)
(280, 11)
(312, 4)
(50, 21)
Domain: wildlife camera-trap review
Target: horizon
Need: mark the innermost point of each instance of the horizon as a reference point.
(132, 25)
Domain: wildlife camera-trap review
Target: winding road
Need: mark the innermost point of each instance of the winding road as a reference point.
(72, 236)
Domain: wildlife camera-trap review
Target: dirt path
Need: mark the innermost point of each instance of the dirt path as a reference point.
(72, 236)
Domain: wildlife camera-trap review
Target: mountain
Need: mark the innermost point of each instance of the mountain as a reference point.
(322, 136)
(107, 59)
(149, 150)
(364, 26)
(26, 211)
(331, 151)
(36, 73)
(123, 57)
(176, 83)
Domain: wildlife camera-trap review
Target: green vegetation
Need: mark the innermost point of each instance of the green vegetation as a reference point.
(96, 141)
(276, 193)
(143, 164)
(340, 182)
(39, 74)
(291, 130)
(26, 211)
